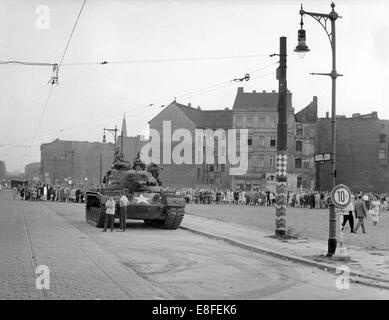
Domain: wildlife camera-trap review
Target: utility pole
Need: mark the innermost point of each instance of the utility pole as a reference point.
(101, 165)
(55, 160)
(121, 142)
(282, 138)
(111, 130)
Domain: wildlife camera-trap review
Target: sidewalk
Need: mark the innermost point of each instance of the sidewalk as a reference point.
(367, 267)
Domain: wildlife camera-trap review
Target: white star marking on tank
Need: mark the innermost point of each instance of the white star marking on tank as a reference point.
(141, 199)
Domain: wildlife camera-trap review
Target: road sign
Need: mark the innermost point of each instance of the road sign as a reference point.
(341, 196)
(321, 157)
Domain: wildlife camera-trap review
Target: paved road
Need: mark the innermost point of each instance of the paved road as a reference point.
(143, 263)
(311, 223)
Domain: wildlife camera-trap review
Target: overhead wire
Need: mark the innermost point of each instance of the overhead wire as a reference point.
(134, 113)
(104, 62)
(57, 69)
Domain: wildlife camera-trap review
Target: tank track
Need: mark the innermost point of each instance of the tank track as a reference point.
(95, 216)
(174, 217)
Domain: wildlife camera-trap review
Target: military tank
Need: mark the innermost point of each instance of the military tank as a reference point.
(147, 200)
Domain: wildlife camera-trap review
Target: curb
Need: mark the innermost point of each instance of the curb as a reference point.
(321, 265)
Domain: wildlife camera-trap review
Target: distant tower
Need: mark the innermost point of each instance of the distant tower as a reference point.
(123, 133)
(124, 126)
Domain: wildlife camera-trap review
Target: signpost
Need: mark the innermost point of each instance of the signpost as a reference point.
(341, 196)
(322, 157)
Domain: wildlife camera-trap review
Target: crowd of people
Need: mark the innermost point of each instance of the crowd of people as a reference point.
(301, 199)
(313, 199)
(43, 191)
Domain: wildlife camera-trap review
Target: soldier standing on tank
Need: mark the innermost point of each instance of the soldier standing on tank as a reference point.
(123, 204)
(109, 213)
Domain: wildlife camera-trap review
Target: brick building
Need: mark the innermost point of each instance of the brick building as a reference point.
(186, 117)
(77, 159)
(361, 152)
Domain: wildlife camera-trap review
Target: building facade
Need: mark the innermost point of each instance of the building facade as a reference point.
(3, 171)
(361, 152)
(258, 113)
(79, 160)
(177, 119)
(32, 171)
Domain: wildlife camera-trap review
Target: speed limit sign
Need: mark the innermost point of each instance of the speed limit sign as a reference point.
(341, 196)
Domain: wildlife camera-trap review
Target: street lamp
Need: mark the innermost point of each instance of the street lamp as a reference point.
(301, 49)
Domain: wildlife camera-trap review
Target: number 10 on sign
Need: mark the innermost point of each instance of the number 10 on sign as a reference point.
(341, 196)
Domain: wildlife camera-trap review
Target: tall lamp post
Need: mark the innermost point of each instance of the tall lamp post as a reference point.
(301, 49)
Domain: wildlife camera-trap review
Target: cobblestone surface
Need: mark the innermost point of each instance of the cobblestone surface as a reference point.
(79, 269)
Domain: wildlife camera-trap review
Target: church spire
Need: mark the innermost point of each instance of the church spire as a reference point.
(124, 126)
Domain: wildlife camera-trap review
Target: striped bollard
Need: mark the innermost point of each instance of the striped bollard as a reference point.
(281, 193)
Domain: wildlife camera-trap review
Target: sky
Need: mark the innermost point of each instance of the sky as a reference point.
(137, 37)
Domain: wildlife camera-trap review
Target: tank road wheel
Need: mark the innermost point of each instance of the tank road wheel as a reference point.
(173, 219)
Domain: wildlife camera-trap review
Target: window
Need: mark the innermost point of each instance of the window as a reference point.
(273, 121)
(299, 182)
(272, 141)
(382, 125)
(383, 138)
(299, 129)
(211, 168)
(299, 146)
(198, 173)
(261, 121)
(222, 167)
(298, 163)
(306, 164)
(250, 122)
(272, 161)
(382, 154)
(250, 141)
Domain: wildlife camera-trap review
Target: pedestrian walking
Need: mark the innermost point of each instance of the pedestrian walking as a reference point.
(349, 217)
(123, 204)
(14, 192)
(375, 208)
(109, 213)
(360, 213)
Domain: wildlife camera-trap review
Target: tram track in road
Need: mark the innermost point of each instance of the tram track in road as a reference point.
(130, 294)
(43, 295)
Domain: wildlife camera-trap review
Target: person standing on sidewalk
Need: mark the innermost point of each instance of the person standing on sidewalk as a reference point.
(109, 213)
(360, 213)
(349, 217)
(375, 207)
(123, 204)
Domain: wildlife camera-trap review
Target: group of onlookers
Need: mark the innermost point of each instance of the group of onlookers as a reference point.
(226, 196)
(363, 206)
(314, 199)
(43, 191)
